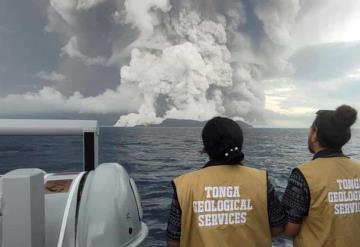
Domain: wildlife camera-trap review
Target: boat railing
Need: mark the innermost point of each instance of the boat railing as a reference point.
(88, 129)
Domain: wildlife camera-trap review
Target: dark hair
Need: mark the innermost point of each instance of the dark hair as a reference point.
(333, 127)
(223, 140)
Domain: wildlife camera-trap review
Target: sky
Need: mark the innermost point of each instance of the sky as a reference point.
(272, 63)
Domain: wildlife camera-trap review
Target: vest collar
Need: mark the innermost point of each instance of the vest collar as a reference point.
(215, 163)
(329, 153)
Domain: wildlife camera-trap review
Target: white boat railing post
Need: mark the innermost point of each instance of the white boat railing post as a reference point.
(23, 212)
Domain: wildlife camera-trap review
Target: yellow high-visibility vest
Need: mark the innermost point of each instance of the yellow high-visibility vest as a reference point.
(224, 205)
(334, 213)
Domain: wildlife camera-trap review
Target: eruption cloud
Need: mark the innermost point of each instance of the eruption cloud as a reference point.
(188, 59)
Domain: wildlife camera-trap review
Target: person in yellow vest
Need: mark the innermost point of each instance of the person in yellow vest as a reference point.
(225, 203)
(322, 199)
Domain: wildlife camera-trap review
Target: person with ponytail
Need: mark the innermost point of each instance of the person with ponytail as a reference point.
(225, 203)
(322, 199)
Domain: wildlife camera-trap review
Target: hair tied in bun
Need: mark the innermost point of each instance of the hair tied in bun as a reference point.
(345, 116)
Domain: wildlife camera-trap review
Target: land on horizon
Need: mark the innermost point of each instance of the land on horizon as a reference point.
(188, 123)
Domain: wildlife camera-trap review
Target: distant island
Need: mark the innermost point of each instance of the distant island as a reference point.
(188, 123)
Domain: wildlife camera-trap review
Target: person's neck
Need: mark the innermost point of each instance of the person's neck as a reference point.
(328, 153)
(318, 148)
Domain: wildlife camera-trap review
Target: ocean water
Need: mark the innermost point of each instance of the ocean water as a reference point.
(153, 156)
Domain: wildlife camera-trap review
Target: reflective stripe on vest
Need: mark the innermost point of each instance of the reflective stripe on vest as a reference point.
(224, 205)
(334, 213)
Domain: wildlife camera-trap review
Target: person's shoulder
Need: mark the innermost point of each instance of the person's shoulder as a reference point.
(307, 164)
(188, 175)
(253, 169)
(313, 167)
(354, 163)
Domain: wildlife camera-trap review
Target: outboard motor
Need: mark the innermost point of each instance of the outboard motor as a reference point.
(94, 208)
(109, 213)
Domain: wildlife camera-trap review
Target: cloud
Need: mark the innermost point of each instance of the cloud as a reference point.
(184, 59)
(278, 19)
(292, 103)
(325, 61)
(277, 97)
(49, 100)
(52, 76)
(180, 59)
(71, 49)
(181, 75)
(349, 81)
(140, 14)
(327, 21)
(5, 30)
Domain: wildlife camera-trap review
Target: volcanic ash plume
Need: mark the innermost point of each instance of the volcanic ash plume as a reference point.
(182, 81)
(188, 59)
(192, 75)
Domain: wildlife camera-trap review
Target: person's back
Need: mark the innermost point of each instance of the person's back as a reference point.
(225, 203)
(335, 203)
(329, 195)
(222, 205)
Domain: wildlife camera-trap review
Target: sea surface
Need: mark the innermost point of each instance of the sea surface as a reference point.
(153, 156)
